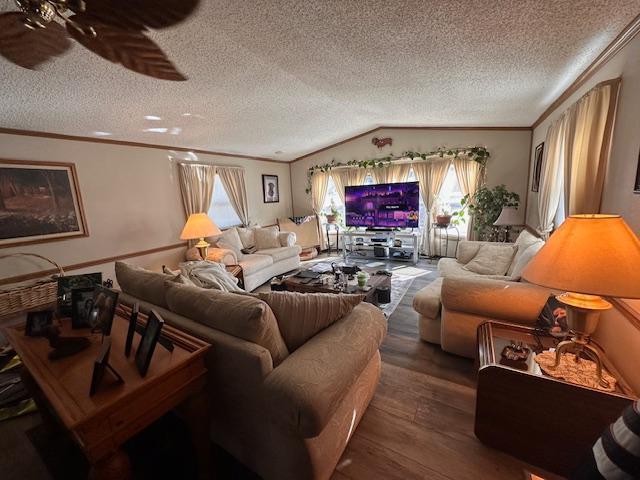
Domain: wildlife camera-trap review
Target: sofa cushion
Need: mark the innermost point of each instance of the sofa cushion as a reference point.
(281, 253)
(523, 258)
(143, 284)
(427, 300)
(247, 236)
(450, 267)
(254, 263)
(242, 316)
(267, 238)
(492, 259)
(302, 315)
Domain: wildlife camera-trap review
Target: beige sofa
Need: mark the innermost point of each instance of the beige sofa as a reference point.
(264, 264)
(286, 413)
(452, 306)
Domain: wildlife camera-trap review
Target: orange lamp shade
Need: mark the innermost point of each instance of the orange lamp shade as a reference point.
(589, 254)
(199, 225)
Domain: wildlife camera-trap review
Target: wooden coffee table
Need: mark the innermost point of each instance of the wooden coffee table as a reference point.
(101, 423)
(298, 284)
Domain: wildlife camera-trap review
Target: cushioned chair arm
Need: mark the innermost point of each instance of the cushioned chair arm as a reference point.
(510, 301)
(222, 255)
(287, 239)
(304, 391)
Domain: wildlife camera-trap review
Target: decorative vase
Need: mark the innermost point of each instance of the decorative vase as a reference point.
(331, 218)
(443, 220)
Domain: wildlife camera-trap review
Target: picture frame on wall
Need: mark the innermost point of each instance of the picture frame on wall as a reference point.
(636, 188)
(39, 202)
(270, 189)
(537, 167)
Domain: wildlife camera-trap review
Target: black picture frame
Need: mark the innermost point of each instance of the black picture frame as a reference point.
(636, 188)
(537, 167)
(105, 302)
(270, 189)
(133, 322)
(148, 342)
(82, 303)
(37, 323)
(101, 365)
(67, 283)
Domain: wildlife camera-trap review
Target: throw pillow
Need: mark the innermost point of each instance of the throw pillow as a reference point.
(230, 240)
(267, 238)
(467, 250)
(142, 284)
(247, 236)
(300, 316)
(492, 259)
(242, 316)
(522, 259)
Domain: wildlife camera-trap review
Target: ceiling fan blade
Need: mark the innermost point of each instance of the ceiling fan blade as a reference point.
(29, 48)
(130, 48)
(141, 14)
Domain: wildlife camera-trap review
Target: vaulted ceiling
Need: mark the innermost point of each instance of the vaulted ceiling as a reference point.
(292, 76)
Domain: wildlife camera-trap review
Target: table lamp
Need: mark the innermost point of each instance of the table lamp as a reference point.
(508, 218)
(198, 226)
(588, 257)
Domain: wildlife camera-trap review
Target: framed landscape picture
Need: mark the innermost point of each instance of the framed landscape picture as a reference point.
(270, 189)
(537, 167)
(39, 202)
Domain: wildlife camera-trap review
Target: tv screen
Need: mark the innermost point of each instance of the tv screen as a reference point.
(385, 205)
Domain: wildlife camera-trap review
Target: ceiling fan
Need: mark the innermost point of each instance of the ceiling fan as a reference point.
(113, 29)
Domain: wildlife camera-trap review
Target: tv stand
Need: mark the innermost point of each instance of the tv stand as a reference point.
(379, 245)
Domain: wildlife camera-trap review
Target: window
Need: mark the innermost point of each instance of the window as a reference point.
(333, 200)
(221, 210)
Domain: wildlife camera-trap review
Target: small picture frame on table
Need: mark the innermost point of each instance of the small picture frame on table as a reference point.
(133, 321)
(37, 323)
(105, 302)
(82, 304)
(147, 344)
(100, 365)
(270, 189)
(66, 285)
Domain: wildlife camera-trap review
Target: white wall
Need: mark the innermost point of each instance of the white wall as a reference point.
(618, 196)
(131, 200)
(508, 164)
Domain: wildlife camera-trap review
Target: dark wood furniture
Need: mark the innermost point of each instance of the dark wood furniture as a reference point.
(236, 271)
(100, 424)
(544, 421)
(297, 284)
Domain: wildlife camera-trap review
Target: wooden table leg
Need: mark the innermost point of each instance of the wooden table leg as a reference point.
(114, 467)
(195, 411)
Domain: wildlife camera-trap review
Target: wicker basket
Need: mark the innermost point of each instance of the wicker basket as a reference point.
(28, 297)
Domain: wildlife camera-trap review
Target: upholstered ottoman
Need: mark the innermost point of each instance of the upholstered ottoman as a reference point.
(427, 303)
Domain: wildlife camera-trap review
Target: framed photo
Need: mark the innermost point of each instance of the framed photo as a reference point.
(101, 365)
(537, 167)
(636, 188)
(37, 322)
(133, 322)
(270, 189)
(66, 285)
(82, 304)
(39, 202)
(105, 302)
(148, 342)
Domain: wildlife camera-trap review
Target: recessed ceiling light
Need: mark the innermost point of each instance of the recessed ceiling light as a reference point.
(152, 117)
(175, 131)
(187, 114)
(156, 130)
(98, 133)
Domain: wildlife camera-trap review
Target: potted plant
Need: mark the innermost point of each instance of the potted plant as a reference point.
(443, 219)
(485, 206)
(334, 216)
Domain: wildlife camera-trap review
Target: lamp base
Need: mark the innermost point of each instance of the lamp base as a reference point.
(583, 314)
(202, 247)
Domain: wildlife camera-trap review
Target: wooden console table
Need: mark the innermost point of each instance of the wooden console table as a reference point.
(100, 424)
(542, 420)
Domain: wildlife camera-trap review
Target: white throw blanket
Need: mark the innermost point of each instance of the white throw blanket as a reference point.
(206, 274)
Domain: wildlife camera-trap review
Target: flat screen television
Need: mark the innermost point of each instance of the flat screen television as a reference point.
(384, 205)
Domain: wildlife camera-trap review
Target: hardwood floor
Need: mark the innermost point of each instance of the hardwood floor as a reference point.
(420, 422)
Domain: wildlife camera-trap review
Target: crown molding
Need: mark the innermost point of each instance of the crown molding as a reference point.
(618, 43)
(399, 127)
(75, 138)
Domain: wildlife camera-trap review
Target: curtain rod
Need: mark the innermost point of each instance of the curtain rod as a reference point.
(204, 164)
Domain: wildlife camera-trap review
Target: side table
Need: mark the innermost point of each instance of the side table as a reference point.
(236, 271)
(441, 239)
(101, 423)
(327, 227)
(542, 420)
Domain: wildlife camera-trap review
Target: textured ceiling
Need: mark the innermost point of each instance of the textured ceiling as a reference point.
(294, 76)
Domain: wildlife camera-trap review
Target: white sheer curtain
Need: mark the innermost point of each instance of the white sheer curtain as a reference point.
(430, 175)
(392, 173)
(232, 179)
(469, 174)
(347, 177)
(196, 187)
(319, 185)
